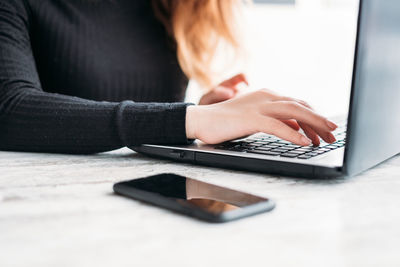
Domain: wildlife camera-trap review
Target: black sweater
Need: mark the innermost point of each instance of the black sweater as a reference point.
(86, 76)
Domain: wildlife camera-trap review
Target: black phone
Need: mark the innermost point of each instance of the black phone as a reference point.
(194, 198)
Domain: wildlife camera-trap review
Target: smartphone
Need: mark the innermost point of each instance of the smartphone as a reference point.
(194, 198)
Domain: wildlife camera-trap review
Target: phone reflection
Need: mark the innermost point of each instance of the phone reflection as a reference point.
(189, 192)
(216, 199)
(209, 205)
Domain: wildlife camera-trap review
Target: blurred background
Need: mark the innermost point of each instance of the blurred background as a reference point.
(299, 48)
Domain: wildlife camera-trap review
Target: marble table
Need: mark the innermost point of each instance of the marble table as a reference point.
(60, 210)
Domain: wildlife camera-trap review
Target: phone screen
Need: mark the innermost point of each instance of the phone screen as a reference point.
(190, 193)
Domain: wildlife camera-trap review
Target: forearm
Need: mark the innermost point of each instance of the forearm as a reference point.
(36, 121)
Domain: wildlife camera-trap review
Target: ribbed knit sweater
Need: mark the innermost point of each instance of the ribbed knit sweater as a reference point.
(86, 76)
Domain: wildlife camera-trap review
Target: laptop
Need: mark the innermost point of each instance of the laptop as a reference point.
(367, 136)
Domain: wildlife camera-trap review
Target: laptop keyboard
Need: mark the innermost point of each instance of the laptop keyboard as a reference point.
(269, 145)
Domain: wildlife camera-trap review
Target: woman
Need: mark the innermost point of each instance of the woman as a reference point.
(86, 76)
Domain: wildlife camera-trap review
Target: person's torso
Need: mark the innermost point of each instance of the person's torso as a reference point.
(110, 50)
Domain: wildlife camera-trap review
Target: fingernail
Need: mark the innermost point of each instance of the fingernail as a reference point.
(316, 143)
(331, 125)
(305, 141)
(332, 138)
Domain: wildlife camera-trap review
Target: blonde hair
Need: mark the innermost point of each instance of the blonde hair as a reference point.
(197, 28)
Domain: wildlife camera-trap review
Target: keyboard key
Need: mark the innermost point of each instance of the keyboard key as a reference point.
(297, 152)
(257, 144)
(284, 142)
(275, 143)
(237, 149)
(269, 146)
(312, 154)
(263, 148)
(280, 150)
(304, 157)
(289, 155)
(331, 146)
(292, 146)
(304, 150)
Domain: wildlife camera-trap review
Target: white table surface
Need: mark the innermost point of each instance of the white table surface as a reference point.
(59, 210)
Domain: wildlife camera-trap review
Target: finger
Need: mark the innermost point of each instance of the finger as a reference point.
(269, 95)
(276, 97)
(310, 133)
(234, 81)
(217, 95)
(223, 93)
(292, 124)
(301, 102)
(284, 110)
(281, 130)
(326, 136)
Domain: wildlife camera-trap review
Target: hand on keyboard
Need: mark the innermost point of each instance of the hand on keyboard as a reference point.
(260, 111)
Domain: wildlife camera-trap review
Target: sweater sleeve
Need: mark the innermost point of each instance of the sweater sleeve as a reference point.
(33, 120)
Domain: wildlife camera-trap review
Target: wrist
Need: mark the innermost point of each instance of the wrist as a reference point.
(191, 119)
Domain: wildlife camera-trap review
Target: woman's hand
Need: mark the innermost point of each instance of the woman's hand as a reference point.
(260, 111)
(224, 91)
